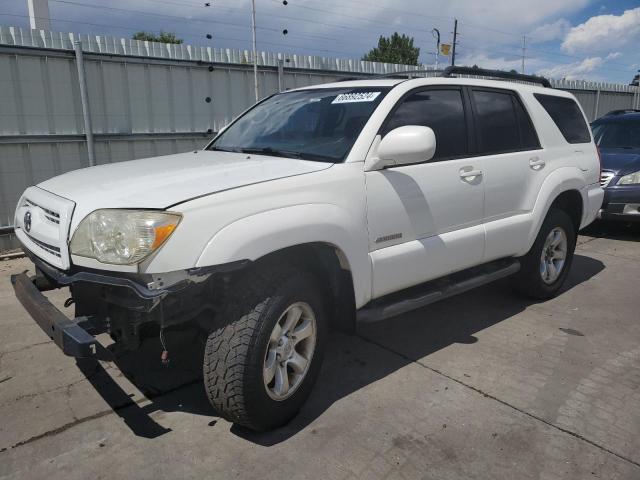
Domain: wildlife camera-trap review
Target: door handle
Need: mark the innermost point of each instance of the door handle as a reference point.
(536, 163)
(469, 175)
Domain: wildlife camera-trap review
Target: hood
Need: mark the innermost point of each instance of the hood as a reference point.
(620, 161)
(161, 182)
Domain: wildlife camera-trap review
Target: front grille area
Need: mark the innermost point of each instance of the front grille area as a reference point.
(53, 250)
(53, 217)
(605, 178)
(42, 222)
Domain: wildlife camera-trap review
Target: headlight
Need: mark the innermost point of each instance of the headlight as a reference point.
(122, 237)
(630, 179)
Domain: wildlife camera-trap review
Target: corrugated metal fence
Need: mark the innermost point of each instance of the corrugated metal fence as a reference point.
(148, 99)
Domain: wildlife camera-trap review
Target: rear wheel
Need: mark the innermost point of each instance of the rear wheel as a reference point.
(545, 267)
(262, 362)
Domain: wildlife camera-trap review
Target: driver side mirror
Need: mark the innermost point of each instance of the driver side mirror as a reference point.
(404, 146)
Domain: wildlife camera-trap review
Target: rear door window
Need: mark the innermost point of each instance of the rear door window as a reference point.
(502, 123)
(441, 110)
(567, 116)
(496, 122)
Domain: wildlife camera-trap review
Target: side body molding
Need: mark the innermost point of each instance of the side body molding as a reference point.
(257, 235)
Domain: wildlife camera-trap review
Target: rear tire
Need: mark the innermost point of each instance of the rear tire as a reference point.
(545, 267)
(256, 372)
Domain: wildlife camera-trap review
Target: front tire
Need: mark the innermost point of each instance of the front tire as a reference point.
(545, 267)
(262, 361)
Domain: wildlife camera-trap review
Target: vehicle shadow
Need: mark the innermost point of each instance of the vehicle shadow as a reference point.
(351, 362)
(613, 230)
(175, 386)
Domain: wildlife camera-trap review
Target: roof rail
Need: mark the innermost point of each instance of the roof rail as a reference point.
(404, 73)
(621, 111)
(449, 71)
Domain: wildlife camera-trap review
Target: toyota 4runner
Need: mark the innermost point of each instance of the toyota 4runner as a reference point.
(315, 209)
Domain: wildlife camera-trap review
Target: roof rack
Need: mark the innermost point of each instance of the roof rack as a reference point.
(480, 72)
(483, 72)
(400, 74)
(621, 111)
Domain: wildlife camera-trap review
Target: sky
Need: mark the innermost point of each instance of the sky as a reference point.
(574, 39)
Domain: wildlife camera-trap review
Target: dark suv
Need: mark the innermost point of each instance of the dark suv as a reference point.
(617, 136)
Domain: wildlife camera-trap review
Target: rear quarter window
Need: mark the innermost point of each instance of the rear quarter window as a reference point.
(567, 116)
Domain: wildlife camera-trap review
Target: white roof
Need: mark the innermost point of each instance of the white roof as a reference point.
(417, 82)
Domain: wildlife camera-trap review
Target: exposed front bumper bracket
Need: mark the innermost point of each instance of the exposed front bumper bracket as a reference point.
(72, 339)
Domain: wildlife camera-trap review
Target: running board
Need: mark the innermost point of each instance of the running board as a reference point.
(401, 302)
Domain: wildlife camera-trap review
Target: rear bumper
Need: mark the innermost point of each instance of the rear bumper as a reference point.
(72, 339)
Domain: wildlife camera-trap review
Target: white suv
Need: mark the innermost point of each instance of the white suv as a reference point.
(315, 209)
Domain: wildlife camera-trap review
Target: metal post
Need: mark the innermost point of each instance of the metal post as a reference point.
(280, 75)
(39, 14)
(524, 49)
(255, 54)
(597, 106)
(455, 38)
(84, 98)
(436, 33)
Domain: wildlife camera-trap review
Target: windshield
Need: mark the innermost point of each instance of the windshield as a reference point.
(617, 134)
(315, 124)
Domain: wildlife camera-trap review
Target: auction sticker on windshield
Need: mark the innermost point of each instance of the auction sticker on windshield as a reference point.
(356, 97)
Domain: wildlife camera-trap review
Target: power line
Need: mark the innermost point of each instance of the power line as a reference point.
(386, 10)
(278, 31)
(413, 14)
(188, 20)
(198, 37)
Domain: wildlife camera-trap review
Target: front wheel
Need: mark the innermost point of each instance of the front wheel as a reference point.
(262, 362)
(545, 267)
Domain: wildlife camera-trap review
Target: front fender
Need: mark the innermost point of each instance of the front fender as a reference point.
(258, 235)
(560, 180)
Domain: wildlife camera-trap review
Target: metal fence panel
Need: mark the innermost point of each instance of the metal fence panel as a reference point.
(614, 101)
(11, 112)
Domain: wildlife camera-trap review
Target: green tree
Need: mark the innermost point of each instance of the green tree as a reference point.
(395, 49)
(164, 37)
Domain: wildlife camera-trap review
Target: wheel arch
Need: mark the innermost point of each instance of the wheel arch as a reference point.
(330, 265)
(571, 202)
(321, 236)
(564, 189)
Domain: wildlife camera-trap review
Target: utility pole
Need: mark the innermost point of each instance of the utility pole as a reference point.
(39, 14)
(84, 99)
(255, 53)
(455, 40)
(436, 33)
(524, 49)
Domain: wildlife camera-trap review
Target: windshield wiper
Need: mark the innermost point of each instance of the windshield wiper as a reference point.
(218, 149)
(272, 151)
(289, 154)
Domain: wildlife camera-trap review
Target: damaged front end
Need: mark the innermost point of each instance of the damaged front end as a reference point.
(129, 307)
